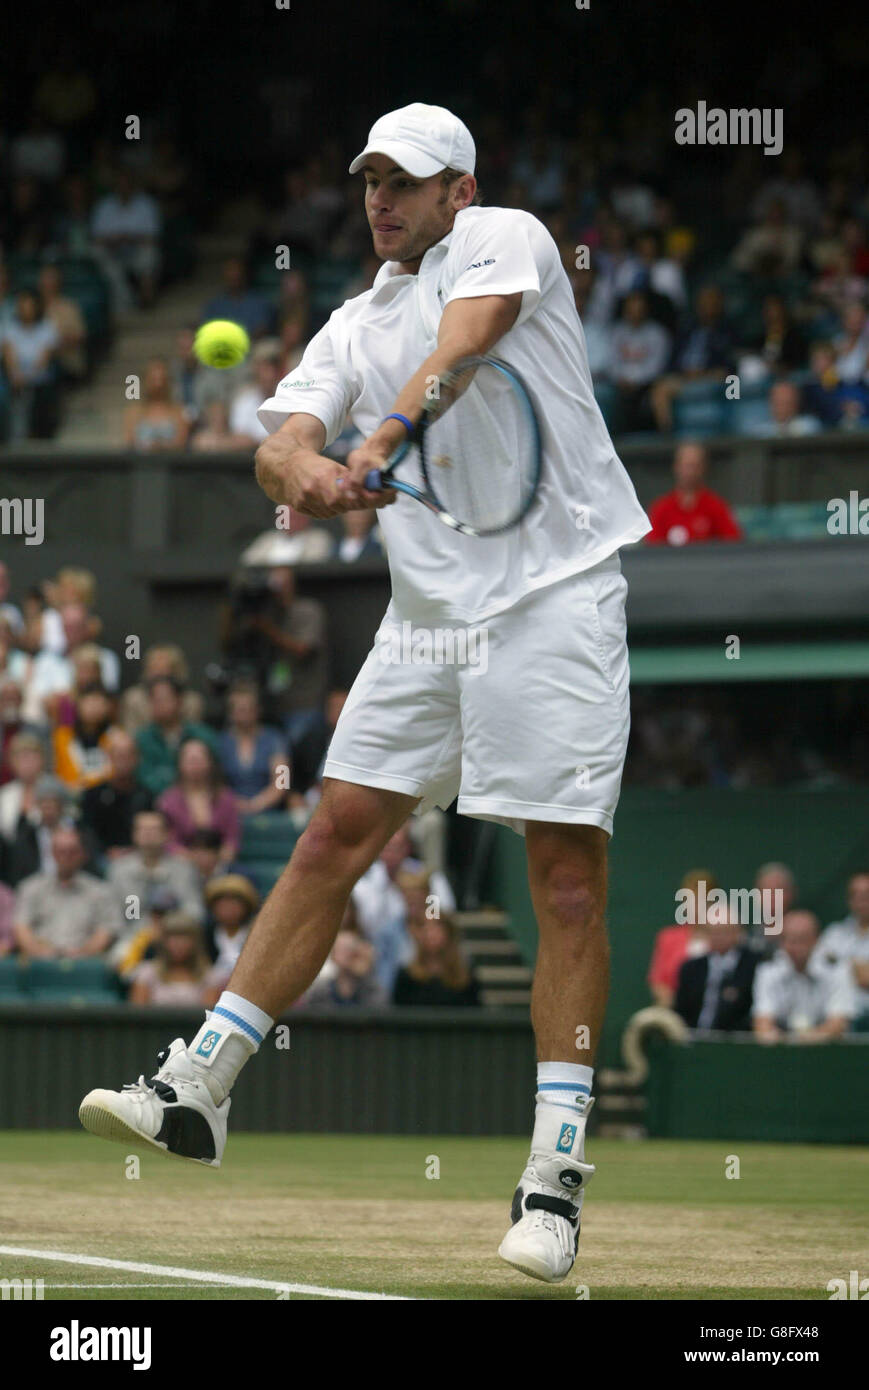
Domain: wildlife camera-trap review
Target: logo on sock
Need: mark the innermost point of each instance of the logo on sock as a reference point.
(569, 1178)
(208, 1044)
(565, 1139)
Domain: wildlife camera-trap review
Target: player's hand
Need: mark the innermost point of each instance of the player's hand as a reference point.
(312, 484)
(373, 453)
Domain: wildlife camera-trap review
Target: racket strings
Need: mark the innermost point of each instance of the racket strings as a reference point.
(480, 453)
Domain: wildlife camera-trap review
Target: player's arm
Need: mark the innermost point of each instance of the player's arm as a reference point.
(468, 328)
(291, 470)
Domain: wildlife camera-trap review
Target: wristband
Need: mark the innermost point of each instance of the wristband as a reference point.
(404, 420)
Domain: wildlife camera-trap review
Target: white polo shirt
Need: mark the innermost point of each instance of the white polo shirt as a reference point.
(361, 359)
(801, 999)
(844, 943)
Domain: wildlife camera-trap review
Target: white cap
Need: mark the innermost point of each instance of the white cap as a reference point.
(421, 139)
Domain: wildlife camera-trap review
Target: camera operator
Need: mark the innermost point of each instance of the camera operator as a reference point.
(282, 640)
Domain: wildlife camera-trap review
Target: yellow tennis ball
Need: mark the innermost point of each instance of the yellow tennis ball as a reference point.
(221, 343)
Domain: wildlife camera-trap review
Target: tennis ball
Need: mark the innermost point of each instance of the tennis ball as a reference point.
(221, 343)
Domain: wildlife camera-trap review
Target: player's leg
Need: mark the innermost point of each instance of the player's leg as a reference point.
(296, 927)
(567, 872)
(183, 1109)
(545, 729)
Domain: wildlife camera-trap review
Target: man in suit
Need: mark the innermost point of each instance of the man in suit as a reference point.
(715, 990)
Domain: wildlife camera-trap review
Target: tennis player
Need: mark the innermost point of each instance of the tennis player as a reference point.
(535, 741)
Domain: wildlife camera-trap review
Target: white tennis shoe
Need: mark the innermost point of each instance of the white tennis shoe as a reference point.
(173, 1111)
(547, 1204)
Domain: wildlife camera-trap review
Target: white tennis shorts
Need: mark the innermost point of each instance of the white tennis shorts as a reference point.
(524, 718)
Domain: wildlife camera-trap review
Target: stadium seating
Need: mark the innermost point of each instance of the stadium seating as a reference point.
(699, 410)
(78, 982)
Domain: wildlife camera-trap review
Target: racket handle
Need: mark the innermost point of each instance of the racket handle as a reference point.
(374, 480)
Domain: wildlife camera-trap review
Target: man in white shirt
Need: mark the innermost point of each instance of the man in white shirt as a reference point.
(847, 943)
(535, 741)
(798, 995)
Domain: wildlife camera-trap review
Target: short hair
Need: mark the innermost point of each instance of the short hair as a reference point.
(175, 685)
(449, 176)
(206, 837)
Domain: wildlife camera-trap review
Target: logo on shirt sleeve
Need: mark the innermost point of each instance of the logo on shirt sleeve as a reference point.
(478, 265)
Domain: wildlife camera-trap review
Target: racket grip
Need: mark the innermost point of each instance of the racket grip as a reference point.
(374, 480)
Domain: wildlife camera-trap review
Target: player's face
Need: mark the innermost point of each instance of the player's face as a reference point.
(406, 215)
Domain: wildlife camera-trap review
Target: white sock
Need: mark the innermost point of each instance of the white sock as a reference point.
(565, 1084)
(231, 1034)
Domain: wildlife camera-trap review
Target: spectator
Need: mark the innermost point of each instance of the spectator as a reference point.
(714, 990)
(691, 513)
(198, 801)
(660, 278)
(134, 877)
(232, 902)
(852, 345)
(164, 659)
(596, 324)
(674, 945)
(29, 849)
(157, 422)
(9, 612)
(66, 912)
(81, 750)
(438, 974)
(109, 809)
(27, 220)
(215, 435)
(830, 399)
(11, 724)
(781, 346)
(703, 352)
(298, 671)
(126, 228)
(178, 974)
(68, 321)
(791, 188)
(203, 852)
(140, 935)
(29, 346)
(71, 234)
(8, 940)
(361, 538)
(847, 943)
(267, 362)
(381, 908)
(640, 349)
(774, 247)
(253, 756)
(799, 995)
(352, 980)
(238, 302)
(785, 420)
(777, 887)
(160, 739)
(49, 675)
(18, 796)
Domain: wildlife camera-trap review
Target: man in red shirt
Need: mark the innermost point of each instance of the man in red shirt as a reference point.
(691, 513)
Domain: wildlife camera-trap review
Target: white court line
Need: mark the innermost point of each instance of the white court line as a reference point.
(205, 1276)
(133, 1286)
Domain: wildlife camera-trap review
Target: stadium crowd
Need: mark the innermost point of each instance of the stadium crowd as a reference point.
(759, 279)
(133, 827)
(778, 975)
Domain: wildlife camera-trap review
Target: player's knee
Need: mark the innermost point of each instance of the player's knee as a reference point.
(336, 843)
(571, 900)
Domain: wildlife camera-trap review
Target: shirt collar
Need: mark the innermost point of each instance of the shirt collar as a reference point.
(389, 275)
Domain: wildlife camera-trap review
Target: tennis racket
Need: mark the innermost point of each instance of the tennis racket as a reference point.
(475, 456)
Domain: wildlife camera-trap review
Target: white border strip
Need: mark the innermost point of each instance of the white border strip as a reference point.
(205, 1277)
